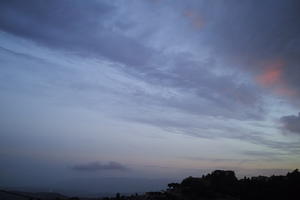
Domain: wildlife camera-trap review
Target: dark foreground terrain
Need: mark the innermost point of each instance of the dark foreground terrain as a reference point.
(217, 185)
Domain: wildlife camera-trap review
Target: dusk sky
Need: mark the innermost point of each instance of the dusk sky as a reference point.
(147, 89)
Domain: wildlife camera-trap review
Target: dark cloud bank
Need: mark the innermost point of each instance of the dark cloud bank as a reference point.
(75, 26)
(291, 123)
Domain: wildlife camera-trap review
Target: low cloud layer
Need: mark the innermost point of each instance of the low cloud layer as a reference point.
(98, 166)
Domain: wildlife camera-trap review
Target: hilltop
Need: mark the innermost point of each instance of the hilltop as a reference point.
(218, 185)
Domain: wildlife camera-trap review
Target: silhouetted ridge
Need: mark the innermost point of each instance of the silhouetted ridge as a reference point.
(224, 184)
(219, 185)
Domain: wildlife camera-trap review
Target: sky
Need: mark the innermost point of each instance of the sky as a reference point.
(147, 90)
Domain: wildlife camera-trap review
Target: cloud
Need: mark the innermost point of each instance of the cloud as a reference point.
(242, 36)
(76, 26)
(98, 166)
(200, 76)
(272, 78)
(213, 128)
(95, 33)
(267, 154)
(271, 75)
(291, 123)
(195, 19)
(230, 160)
(205, 92)
(284, 146)
(250, 39)
(205, 84)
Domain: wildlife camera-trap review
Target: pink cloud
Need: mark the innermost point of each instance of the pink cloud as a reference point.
(272, 74)
(272, 77)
